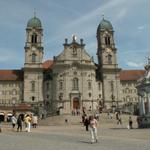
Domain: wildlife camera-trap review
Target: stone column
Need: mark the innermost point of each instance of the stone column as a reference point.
(141, 106)
(139, 103)
(148, 104)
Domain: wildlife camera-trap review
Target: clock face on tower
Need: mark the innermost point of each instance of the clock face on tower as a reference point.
(33, 48)
(108, 50)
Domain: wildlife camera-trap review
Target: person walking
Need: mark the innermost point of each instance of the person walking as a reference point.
(86, 123)
(14, 121)
(28, 123)
(119, 121)
(93, 129)
(130, 123)
(34, 121)
(19, 123)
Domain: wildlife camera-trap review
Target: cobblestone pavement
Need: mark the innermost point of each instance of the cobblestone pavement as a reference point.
(74, 137)
(54, 134)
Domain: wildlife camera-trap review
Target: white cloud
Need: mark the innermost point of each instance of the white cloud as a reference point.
(141, 27)
(121, 14)
(83, 26)
(61, 22)
(97, 12)
(134, 64)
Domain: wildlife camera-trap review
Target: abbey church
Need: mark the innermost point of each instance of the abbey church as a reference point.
(72, 80)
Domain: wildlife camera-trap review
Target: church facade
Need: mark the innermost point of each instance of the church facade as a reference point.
(72, 80)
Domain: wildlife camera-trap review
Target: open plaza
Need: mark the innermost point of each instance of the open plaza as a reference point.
(55, 134)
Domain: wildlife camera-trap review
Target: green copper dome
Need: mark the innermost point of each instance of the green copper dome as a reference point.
(105, 24)
(34, 22)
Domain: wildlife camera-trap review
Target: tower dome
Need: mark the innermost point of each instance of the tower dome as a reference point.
(34, 22)
(105, 25)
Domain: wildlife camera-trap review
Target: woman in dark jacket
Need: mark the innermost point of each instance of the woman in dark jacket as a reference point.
(86, 123)
(19, 123)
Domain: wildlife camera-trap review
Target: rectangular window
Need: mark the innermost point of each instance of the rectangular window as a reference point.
(60, 96)
(112, 86)
(60, 85)
(47, 86)
(33, 98)
(33, 86)
(75, 84)
(99, 86)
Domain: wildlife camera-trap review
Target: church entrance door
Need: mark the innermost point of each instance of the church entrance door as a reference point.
(76, 103)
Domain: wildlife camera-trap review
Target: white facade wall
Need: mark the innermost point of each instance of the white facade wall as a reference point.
(67, 67)
(11, 92)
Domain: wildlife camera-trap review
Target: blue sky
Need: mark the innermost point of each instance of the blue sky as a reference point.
(63, 18)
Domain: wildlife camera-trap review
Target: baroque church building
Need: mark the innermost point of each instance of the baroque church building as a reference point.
(72, 80)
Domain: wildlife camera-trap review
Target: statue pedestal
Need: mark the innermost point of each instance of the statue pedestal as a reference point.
(143, 121)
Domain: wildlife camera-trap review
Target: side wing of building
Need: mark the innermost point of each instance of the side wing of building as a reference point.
(128, 91)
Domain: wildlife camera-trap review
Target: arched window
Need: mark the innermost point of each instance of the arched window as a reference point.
(109, 59)
(14, 92)
(32, 86)
(107, 40)
(33, 98)
(34, 38)
(33, 57)
(90, 94)
(75, 84)
(89, 85)
(74, 51)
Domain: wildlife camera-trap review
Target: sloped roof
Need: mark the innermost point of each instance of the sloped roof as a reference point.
(48, 64)
(131, 75)
(11, 75)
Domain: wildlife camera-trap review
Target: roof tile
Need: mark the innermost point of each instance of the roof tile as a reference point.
(48, 64)
(11, 75)
(131, 75)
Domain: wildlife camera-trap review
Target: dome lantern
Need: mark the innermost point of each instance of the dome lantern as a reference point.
(34, 23)
(105, 25)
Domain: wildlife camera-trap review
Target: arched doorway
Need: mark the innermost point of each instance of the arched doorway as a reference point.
(2, 116)
(9, 115)
(76, 103)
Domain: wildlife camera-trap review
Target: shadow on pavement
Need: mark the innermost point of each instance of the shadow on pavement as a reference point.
(87, 142)
(117, 128)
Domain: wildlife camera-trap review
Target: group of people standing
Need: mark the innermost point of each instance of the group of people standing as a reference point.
(27, 120)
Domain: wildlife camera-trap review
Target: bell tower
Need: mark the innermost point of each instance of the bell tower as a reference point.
(33, 46)
(33, 70)
(108, 67)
